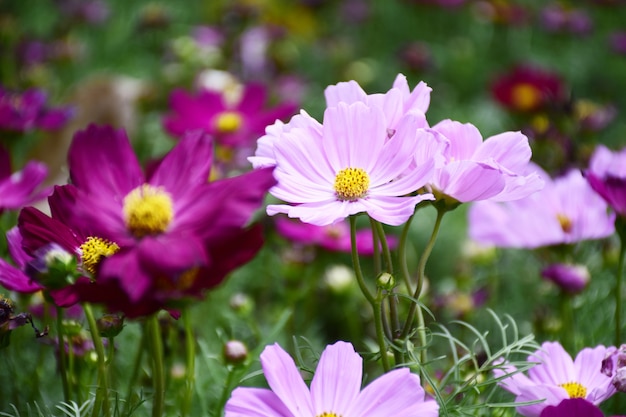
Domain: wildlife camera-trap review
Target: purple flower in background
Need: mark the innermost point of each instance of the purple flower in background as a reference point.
(617, 41)
(22, 112)
(335, 237)
(566, 211)
(570, 278)
(572, 407)
(335, 389)
(88, 11)
(20, 188)
(607, 176)
(558, 18)
(495, 169)
(233, 125)
(557, 377)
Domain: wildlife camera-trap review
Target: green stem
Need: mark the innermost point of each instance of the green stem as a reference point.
(414, 307)
(406, 275)
(375, 240)
(158, 372)
(618, 292)
(135, 373)
(102, 392)
(357, 265)
(380, 336)
(225, 392)
(62, 357)
(385, 246)
(190, 353)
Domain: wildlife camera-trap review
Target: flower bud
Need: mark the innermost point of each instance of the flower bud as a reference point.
(386, 281)
(110, 325)
(241, 303)
(570, 278)
(339, 278)
(235, 352)
(53, 266)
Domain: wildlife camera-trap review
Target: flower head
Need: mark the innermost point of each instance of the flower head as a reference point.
(25, 111)
(350, 165)
(566, 211)
(570, 278)
(557, 377)
(607, 176)
(572, 407)
(528, 89)
(335, 389)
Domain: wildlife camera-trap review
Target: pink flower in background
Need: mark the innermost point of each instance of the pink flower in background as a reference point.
(557, 377)
(334, 237)
(231, 124)
(566, 211)
(607, 176)
(570, 278)
(335, 389)
(350, 165)
(21, 188)
(572, 407)
(25, 111)
(495, 169)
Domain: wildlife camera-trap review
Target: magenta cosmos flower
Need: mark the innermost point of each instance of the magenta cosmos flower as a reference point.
(557, 377)
(350, 165)
(607, 176)
(572, 407)
(26, 111)
(232, 125)
(334, 237)
(566, 211)
(335, 389)
(168, 224)
(495, 169)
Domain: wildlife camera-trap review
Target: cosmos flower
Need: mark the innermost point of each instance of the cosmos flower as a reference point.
(528, 89)
(607, 176)
(557, 377)
(570, 278)
(334, 238)
(350, 165)
(233, 125)
(176, 233)
(335, 389)
(25, 111)
(20, 188)
(566, 211)
(495, 169)
(572, 407)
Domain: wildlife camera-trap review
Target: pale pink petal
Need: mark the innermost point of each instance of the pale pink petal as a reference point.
(469, 181)
(393, 211)
(284, 379)
(464, 139)
(550, 395)
(588, 364)
(321, 213)
(555, 365)
(255, 402)
(509, 149)
(337, 380)
(344, 92)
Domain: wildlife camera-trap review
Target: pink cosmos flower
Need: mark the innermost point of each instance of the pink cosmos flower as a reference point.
(557, 377)
(176, 232)
(22, 187)
(566, 211)
(351, 165)
(607, 176)
(570, 278)
(334, 237)
(335, 389)
(495, 169)
(233, 125)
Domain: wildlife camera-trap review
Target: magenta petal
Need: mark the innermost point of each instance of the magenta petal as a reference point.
(102, 161)
(125, 268)
(38, 230)
(18, 189)
(183, 253)
(188, 164)
(14, 279)
(572, 407)
(16, 250)
(252, 99)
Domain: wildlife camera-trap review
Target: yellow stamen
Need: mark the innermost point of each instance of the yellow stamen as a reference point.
(325, 414)
(574, 390)
(93, 250)
(565, 222)
(351, 184)
(525, 96)
(148, 210)
(228, 122)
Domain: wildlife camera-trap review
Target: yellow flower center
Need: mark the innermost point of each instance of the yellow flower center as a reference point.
(525, 96)
(565, 222)
(574, 390)
(93, 250)
(325, 414)
(148, 210)
(351, 184)
(228, 122)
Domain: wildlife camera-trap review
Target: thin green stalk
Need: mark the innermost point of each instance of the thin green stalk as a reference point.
(408, 325)
(406, 275)
(158, 372)
(380, 336)
(135, 373)
(357, 265)
(102, 391)
(385, 246)
(618, 291)
(190, 354)
(62, 357)
(225, 392)
(375, 241)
